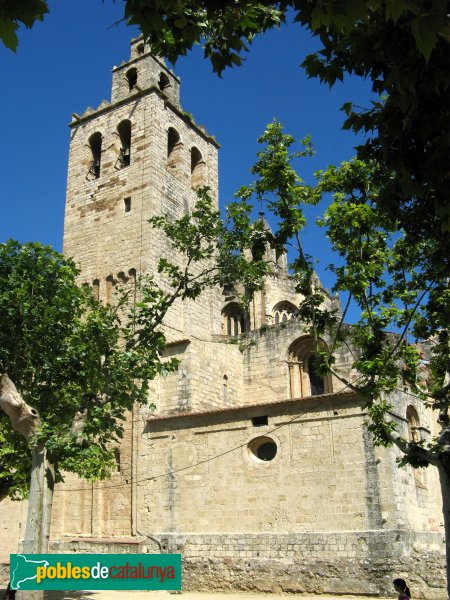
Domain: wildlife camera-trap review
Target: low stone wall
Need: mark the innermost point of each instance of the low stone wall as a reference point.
(359, 577)
(378, 544)
(360, 563)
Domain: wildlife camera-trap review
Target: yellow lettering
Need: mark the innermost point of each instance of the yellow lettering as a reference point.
(76, 572)
(51, 572)
(62, 571)
(86, 572)
(41, 573)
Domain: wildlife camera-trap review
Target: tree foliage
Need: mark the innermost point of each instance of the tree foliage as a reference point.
(82, 364)
(401, 46)
(216, 252)
(79, 363)
(395, 282)
(12, 14)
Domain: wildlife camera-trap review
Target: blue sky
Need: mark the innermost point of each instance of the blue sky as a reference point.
(63, 65)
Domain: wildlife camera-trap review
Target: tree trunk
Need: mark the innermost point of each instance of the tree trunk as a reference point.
(444, 478)
(37, 531)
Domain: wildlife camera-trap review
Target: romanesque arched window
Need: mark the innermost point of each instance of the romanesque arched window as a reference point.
(304, 378)
(283, 311)
(197, 168)
(131, 77)
(124, 131)
(233, 319)
(174, 149)
(316, 381)
(95, 144)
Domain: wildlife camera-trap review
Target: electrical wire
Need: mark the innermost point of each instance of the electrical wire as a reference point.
(172, 472)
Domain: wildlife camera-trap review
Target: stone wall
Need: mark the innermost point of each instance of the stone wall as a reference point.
(372, 577)
(325, 458)
(362, 563)
(13, 515)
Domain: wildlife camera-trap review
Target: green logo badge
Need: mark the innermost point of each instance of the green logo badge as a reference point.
(95, 571)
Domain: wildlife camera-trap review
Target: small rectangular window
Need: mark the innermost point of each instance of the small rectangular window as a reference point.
(127, 205)
(260, 421)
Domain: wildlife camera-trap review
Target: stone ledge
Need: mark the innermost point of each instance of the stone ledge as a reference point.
(107, 540)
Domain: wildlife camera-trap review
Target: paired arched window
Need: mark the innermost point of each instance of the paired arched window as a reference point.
(304, 377)
(131, 77)
(233, 319)
(283, 311)
(95, 144)
(197, 168)
(124, 131)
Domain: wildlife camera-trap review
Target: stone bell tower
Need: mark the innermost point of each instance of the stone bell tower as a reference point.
(134, 157)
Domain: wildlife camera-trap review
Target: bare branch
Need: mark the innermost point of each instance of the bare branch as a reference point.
(24, 418)
(405, 329)
(411, 450)
(344, 380)
(341, 322)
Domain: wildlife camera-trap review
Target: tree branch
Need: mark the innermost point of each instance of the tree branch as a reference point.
(341, 322)
(411, 450)
(402, 335)
(24, 418)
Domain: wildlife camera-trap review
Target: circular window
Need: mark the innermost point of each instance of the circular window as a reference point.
(262, 449)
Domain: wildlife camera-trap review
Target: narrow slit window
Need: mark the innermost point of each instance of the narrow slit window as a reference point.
(124, 131)
(95, 144)
(127, 205)
(96, 289)
(131, 77)
(225, 388)
(163, 82)
(110, 285)
(174, 151)
(197, 169)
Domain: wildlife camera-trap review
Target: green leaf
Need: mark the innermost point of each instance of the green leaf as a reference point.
(8, 34)
(425, 36)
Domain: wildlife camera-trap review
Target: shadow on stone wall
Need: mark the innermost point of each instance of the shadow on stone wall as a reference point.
(77, 595)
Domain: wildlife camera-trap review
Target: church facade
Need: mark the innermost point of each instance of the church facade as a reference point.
(262, 474)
